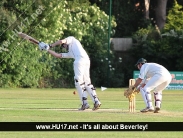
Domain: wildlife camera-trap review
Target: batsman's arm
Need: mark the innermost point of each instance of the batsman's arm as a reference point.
(53, 53)
(59, 42)
(59, 55)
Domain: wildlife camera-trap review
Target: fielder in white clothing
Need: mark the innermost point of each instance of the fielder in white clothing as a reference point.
(158, 79)
(81, 68)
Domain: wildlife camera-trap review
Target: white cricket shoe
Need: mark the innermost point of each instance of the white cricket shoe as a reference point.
(156, 110)
(96, 105)
(147, 109)
(84, 106)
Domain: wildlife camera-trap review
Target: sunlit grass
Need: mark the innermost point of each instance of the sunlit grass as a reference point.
(60, 105)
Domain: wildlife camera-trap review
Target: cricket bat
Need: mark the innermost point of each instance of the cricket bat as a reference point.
(27, 37)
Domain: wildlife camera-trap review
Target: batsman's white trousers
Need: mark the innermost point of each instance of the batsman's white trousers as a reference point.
(82, 71)
(158, 82)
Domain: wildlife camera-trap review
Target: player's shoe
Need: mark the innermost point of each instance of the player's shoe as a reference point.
(96, 105)
(156, 110)
(147, 109)
(84, 106)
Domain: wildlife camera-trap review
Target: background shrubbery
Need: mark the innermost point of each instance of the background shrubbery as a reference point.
(163, 47)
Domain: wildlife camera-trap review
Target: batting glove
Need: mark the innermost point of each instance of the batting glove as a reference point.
(43, 46)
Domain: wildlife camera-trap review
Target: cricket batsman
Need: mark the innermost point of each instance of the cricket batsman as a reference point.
(81, 67)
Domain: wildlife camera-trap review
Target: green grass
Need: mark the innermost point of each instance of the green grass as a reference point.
(59, 105)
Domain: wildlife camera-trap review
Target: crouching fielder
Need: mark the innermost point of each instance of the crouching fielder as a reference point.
(159, 79)
(81, 68)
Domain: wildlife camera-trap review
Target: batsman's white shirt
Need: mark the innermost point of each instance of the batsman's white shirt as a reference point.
(81, 60)
(76, 50)
(159, 76)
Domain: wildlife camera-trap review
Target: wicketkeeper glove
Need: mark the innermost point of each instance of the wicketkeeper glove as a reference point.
(130, 92)
(43, 46)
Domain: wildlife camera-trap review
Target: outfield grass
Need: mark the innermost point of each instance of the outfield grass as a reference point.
(60, 105)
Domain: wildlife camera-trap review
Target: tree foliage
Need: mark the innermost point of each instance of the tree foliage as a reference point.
(174, 18)
(128, 16)
(163, 47)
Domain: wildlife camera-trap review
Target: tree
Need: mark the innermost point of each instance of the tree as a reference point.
(166, 50)
(147, 3)
(160, 11)
(128, 14)
(174, 18)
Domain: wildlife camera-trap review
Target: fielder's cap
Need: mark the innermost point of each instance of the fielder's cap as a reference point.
(141, 60)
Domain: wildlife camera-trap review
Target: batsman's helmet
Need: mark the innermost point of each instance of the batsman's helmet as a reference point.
(141, 60)
(64, 45)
